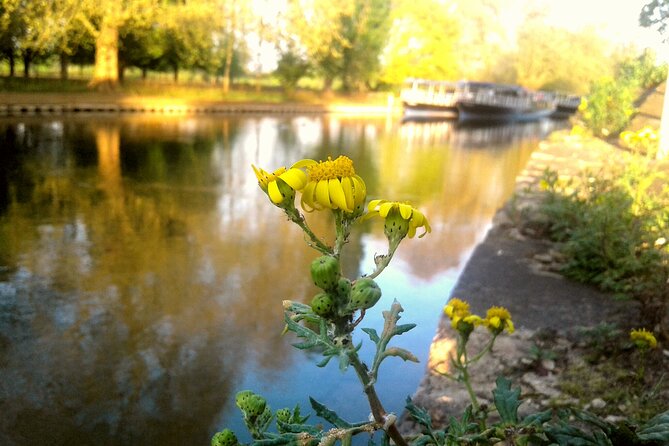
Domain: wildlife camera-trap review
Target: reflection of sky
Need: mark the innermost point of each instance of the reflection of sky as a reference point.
(144, 289)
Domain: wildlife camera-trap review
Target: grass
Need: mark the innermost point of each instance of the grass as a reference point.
(190, 87)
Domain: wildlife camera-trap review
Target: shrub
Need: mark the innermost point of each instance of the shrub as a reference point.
(614, 228)
(609, 107)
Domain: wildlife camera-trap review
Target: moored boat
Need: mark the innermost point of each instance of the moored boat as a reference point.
(479, 101)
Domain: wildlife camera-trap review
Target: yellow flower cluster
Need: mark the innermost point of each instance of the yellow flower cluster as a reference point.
(643, 338)
(329, 184)
(333, 184)
(497, 318)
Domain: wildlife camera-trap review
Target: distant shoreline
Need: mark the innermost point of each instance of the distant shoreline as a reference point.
(19, 104)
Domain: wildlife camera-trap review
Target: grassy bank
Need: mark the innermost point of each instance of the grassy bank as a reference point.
(30, 91)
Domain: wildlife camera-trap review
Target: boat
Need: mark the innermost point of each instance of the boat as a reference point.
(427, 99)
(474, 101)
(565, 105)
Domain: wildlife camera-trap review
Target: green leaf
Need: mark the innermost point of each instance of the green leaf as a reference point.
(419, 415)
(399, 329)
(656, 429)
(564, 434)
(329, 415)
(537, 419)
(373, 335)
(506, 400)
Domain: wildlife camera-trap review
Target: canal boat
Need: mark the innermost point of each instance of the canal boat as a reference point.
(565, 105)
(474, 101)
(428, 99)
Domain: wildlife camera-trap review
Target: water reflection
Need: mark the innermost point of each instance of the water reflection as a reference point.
(142, 270)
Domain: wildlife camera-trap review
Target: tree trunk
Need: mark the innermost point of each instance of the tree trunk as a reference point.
(228, 66)
(175, 73)
(663, 149)
(145, 73)
(64, 65)
(26, 64)
(12, 64)
(105, 72)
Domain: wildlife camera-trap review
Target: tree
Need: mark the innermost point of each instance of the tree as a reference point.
(343, 39)
(655, 14)
(10, 29)
(422, 43)
(104, 19)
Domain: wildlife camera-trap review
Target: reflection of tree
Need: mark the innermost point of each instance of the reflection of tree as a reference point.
(458, 188)
(138, 297)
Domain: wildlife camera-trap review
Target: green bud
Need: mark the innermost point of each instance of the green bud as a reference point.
(322, 304)
(224, 438)
(395, 226)
(365, 293)
(283, 415)
(256, 406)
(242, 399)
(325, 272)
(343, 292)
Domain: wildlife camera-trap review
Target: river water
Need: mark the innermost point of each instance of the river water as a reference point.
(142, 269)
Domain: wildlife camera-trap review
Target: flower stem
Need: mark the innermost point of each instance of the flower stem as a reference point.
(378, 412)
(316, 243)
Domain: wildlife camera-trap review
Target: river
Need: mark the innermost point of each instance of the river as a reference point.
(142, 269)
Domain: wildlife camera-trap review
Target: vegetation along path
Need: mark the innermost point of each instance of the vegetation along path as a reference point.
(559, 321)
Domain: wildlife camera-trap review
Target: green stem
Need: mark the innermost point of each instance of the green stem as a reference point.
(464, 368)
(382, 262)
(315, 243)
(378, 412)
(342, 231)
(485, 350)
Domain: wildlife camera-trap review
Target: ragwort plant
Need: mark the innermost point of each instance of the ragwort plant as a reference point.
(327, 325)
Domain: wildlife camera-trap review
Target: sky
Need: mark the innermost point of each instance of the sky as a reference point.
(617, 20)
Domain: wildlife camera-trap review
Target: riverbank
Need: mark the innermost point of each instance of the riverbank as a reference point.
(556, 319)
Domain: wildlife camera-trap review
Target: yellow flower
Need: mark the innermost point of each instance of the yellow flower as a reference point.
(497, 319)
(332, 184)
(643, 338)
(456, 310)
(274, 184)
(396, 214)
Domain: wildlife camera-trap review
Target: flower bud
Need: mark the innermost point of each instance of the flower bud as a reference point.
(325, 272)
(365, 293)
(224, 438)
(323, 304)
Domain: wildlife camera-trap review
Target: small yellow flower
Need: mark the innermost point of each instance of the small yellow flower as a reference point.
(497, 319)
(643, 338)
(332, 184)
(273, 183)
(458, 310)
(396, 212)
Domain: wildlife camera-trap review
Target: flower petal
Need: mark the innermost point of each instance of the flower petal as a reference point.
(360, 189)
(274, 193)
(372, 204)
(307, 200)
(295, 178)
(323, 194)
(337, 195)
(405, 211)
(304, 163)
(347, 186)
(385, 208)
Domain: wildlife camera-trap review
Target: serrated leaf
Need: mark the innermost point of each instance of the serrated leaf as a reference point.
(565, 434)
(537, 419)
(656, 429)
(506, 400)
(399, 329)
(329, 415)
(419, 415)
(324, 362)
(373, 335)
(401, 353)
